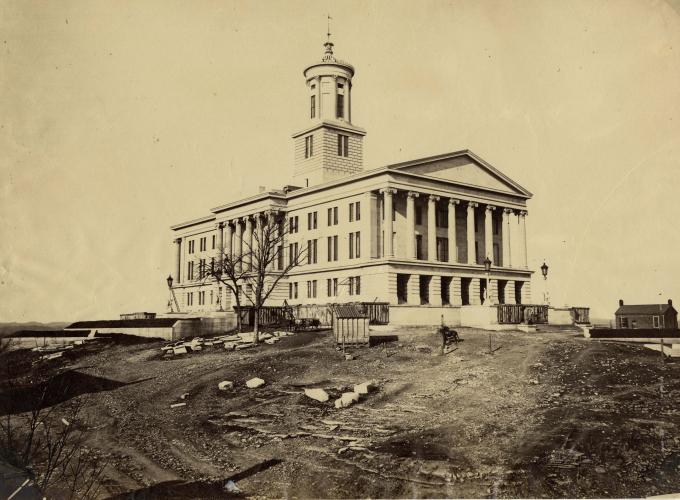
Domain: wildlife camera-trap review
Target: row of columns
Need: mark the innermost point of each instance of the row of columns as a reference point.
(455, 291)
(388, 194)
(244, 229)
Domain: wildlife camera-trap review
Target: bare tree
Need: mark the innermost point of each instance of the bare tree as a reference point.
(268, 263)
(253, 270)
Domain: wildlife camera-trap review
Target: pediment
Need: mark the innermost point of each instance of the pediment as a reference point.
(465, 169)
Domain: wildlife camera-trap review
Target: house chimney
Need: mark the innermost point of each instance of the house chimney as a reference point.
(670, 302)
(620, 302)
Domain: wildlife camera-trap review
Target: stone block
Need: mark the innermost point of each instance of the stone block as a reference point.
(253, 383)
(179, 350)
(317, 394)
(364, 388)
(225, 385)
(177, 405)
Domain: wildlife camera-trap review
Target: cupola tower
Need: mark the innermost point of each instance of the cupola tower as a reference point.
(330, 147)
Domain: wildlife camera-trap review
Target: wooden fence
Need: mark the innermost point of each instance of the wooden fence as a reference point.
(522, 313)
(378, 313)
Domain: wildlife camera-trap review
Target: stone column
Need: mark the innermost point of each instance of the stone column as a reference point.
(505, 235)
(349, 101)
(411, 225)
(523, 261)
(471, 256)
(318, 97)
(475, 287)
(334, 107)
(455, 294)
(345, 99)
(257, 240)
(178, 260)
(526, 292)
(488, 232)
(509, 292)
(238, 251)
(432, 227)
(453, 248)
(229, 238)
(435, 290)
(492, 291)
(413, 290)
(220, 242)
(389, 224)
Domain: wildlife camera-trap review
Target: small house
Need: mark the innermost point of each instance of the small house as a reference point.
(350, 324)
(646, 316)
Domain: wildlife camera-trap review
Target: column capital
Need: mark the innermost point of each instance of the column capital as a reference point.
(412, 194)
(247, 219)
(472, 204)
(507, 210)
(454, 201)
(220, 225)
(489, 208)
(523, 213)
(177, 240)
(433, 198)
(388, 191)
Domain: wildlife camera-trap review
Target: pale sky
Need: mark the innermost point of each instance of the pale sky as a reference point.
(118, 119)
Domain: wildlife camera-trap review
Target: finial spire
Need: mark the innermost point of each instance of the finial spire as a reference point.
(328, 31)
(328, 54)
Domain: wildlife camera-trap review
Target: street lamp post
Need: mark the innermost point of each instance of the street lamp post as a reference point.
(544, 271)
(487, 268)
(169, 280)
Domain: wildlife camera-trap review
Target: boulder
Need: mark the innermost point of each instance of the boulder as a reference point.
(254, 383)
(349, 357)
(347, 399)
(364, 388)
(229, 346)
(225, 385)
(317, 394)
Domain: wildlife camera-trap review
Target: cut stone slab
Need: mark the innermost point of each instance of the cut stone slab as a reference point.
(244, 346)
(271, 341)
(349, 357)
(225, 385)
(254, 383)
(179, 350)
(364, 388)
(177, 405)
(229, 346)
(317, 394)
(347, 399)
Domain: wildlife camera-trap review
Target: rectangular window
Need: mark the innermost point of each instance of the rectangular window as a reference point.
(624, 322)
(309, 289)
(332, 243)
(191, 246)
(295, 290)
(330, 216)
(357, 210)
(190, 298)
(335, 215)
(340, 112)
(494, 225)
(351, 245)
(419, 246)
(329, 286)
(312, 106)
(655, 322)
(293, 256)
(343, 145)
(309, 146)
(354, 211)
(312, 219)
(214, 238)
(351, 285)
(357, 285)
(442, 218)
(335, 247)
(204, 245)
(290, 290)
(357, 244)
(311, 251)
(335, 287)
(314, 289)
(190, 270)
(351, 212)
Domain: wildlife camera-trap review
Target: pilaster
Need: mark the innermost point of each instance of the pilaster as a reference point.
(413, 290)
(435, 290)
(455, 294)
(474, 292)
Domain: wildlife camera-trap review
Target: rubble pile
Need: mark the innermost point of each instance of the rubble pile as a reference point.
(231, 342)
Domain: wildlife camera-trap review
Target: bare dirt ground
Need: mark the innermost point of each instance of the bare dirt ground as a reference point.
(546, 414)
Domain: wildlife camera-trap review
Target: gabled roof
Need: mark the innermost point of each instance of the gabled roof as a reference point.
(348, 311)
(413, 166)
(645, 309)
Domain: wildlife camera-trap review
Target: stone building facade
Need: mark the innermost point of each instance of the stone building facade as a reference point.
(411, 234)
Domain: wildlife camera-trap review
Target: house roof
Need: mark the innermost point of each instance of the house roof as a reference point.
(645, 309)
(124, 323)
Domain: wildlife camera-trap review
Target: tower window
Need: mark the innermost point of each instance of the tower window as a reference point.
(309, 146)
(312, 110)
(340, 108)
(343, 145)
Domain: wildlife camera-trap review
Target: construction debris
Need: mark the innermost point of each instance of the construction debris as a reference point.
(254, 383)
(364, 388)
(347, 399)
(225, 385)
(177, 405)
(317, 394)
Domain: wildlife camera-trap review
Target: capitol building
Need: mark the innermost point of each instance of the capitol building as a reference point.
(415, 234)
